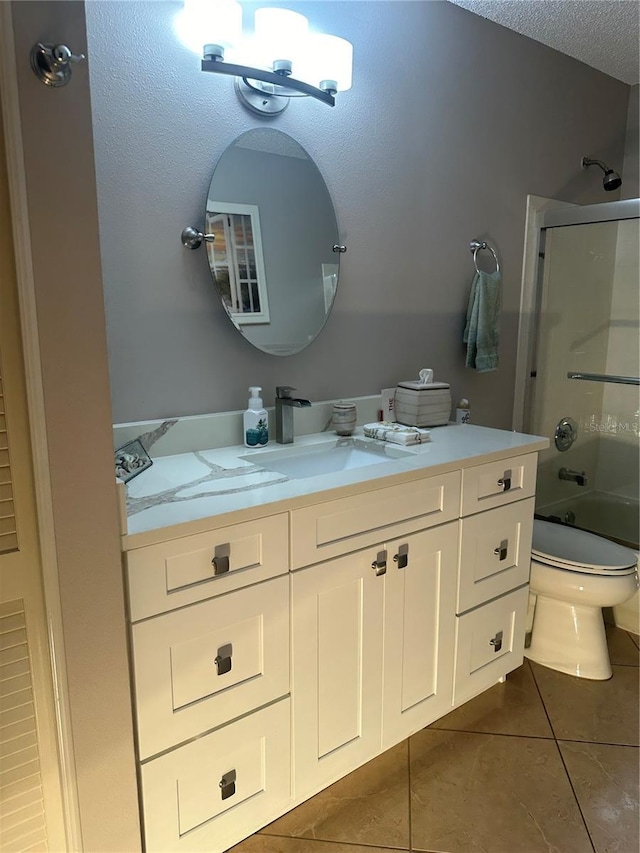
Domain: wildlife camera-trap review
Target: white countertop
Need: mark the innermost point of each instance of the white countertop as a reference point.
(192, 492)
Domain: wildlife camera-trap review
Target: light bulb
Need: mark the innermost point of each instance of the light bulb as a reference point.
(217, 23)
(281, 36)
(328, 62)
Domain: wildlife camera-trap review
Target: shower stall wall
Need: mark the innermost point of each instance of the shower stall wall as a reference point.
(581, 364)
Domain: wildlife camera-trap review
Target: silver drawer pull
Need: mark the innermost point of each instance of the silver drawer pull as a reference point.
(504, 482)
(496, 642)
(228, 784)
(402, 557)
(502, 549)
(223, 660)
(380, 563)
(220, 561)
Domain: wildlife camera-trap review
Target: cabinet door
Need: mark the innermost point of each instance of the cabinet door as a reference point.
(337, 668)
(420, 590)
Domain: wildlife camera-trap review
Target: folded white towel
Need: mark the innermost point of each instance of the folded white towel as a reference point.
(396, 433)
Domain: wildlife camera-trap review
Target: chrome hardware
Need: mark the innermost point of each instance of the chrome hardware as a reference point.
(505, 481)
(476, 246)
(220, 560)
(578, 477)
(402, 557)
(565, 434)
(51, 63)
(605, 377)
(569, 517)
(223, 660)
(191, 238)
(502, 549)
(380, 563)
(285, 404)
(496, 642)
(340, 249)
(228, 784)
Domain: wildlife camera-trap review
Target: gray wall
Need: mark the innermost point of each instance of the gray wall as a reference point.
(451, 122)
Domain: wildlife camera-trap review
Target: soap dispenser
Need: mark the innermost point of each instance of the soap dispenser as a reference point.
(256, 424)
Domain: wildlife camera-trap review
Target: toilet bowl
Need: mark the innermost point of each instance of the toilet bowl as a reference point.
(574, 574)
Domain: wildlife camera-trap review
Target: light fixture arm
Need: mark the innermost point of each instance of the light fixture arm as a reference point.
(218, 66)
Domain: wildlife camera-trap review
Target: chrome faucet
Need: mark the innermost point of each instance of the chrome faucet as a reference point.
(579, 477)
(285, 404)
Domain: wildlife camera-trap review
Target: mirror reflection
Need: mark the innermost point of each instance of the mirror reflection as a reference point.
(272, 258)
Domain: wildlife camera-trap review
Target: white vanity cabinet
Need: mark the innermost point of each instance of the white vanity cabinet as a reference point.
(372, 630)
(210, 650)
(274, 655)
(495, 553)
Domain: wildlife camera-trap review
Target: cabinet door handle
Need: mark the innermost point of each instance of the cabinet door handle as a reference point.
(380, 563)
(502, 549)
(505, 481)
(496, 642)
(402, 557)
(223, 660)
(228, 784)
(220, 561)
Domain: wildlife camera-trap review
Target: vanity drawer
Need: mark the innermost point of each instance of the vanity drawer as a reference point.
(489, 644)
(209, 794)
(495, 553)
(171, 574)
(497, 483)
(338, 527)
(198, 667)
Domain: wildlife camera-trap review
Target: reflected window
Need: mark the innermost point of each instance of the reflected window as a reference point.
(236, 261)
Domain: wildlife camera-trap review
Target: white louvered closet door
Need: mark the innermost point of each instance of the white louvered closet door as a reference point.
(31, 817)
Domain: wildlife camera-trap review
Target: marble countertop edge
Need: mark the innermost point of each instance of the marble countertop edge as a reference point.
(451, 447)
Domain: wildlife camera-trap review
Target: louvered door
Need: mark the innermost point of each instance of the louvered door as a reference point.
(31, 816)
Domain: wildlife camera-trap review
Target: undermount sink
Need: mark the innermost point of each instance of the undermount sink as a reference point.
(316, 459)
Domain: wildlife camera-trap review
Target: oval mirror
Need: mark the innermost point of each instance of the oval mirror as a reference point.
(272, 257)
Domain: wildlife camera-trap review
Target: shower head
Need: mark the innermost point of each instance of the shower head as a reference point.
(611, 180)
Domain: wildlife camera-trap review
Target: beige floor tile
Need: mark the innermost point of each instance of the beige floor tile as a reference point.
(605, 780)
(369, 806)
(635, 638)
(598, 711)
(278, 844)
(481, 793)
(622, 649)
(512, 708)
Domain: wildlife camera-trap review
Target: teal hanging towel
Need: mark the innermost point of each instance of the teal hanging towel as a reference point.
(482, 329)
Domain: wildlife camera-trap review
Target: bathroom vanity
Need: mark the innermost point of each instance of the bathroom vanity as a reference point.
(287, 633)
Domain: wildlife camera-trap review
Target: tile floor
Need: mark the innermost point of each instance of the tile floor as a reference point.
(545, 762)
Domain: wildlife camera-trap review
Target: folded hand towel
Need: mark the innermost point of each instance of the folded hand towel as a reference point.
(396, 433)
(482, 330)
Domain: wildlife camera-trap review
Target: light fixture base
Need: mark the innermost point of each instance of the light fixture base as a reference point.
(262, 103)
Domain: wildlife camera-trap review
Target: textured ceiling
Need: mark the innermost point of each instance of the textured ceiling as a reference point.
(602, 33)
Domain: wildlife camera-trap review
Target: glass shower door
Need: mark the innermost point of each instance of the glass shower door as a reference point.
(588, 328)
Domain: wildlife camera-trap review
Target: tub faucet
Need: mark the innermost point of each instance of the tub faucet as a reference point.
(578, 477)
(285, 404)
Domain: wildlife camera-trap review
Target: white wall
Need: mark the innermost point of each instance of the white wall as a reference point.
(451, 121)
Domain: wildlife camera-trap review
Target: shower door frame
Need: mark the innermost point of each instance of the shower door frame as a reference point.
(543, 213)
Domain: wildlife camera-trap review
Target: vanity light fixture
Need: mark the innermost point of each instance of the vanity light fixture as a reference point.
(286, 59)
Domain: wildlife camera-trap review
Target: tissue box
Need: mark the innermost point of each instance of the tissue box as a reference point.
(423, 405)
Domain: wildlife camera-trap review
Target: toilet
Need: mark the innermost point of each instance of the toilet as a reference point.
(574, 574)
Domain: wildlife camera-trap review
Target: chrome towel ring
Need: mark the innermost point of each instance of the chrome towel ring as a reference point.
(477, 245)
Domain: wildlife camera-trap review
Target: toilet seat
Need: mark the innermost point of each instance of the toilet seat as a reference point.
(568, 548)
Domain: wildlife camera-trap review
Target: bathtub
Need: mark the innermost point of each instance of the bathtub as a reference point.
(613, 517)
